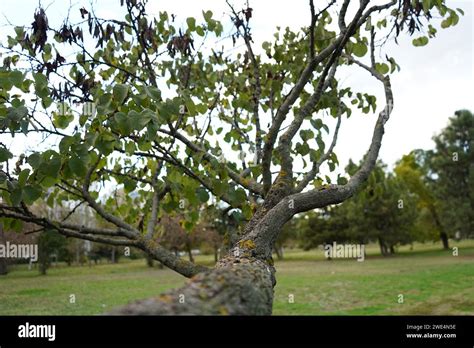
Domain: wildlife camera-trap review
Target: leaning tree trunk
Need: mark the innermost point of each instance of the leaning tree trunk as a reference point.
(236, 286)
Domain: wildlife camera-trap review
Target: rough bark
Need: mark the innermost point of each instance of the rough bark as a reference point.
(237, 286)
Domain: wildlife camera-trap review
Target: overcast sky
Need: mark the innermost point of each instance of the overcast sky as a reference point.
(434, 80)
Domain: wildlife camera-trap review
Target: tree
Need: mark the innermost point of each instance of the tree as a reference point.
(209, 233)
(286, 236)
(412, 170)
(174, 237)
(171, 125)
(49, 242)
(451, 173)
(391, 211)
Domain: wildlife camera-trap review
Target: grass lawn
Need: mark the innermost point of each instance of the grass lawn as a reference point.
(432, 281)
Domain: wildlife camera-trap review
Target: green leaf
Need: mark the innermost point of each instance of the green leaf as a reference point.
(34, 160)
(200, 31)
(17, 78)
(153, 92)
(302, 149)
(3, 177)
(139, 120)
(41, 82)
(341, 180)
(318, 123)
(207, 15)
(123, 122)
(191, 21)
(23, 176)
(202, 194)
(5, 155)
(247, 211)
(266, 46)
(331, 166)
(16, 114)
(190, 106)
(105, 144)
(104, 105)
(16, 196)
(77, 166)
(62, 121)
(382, 68)
(167, 110)
(446, 23)
(238, 196)
(120, 92)
(306, 134)
(31, 194)
(129, 185)
(360, 49)
(421, 41)
(51, 168)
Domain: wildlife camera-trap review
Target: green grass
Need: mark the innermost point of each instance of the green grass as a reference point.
(431, 280)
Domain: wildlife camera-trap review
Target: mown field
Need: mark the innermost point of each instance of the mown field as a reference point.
(432, 281)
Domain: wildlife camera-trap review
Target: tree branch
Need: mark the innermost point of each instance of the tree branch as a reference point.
(342, 15)
(100, 210)
(294, 94)
(315, 169)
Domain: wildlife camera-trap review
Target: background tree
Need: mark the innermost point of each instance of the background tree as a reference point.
(208, 233)
(50, 244)
(287, 237)
(414, 173)
(451, 172)
(172, 124)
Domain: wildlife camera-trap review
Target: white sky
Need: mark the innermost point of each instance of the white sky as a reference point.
(434, 80)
